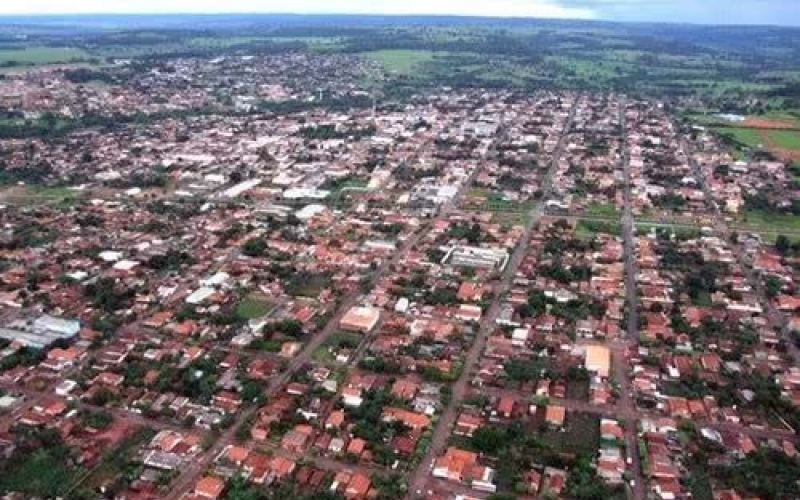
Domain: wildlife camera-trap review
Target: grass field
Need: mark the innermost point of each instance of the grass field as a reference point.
(774, 222)
(251, 308)
(602, 210)
(785, 139)
(40, 195)
(748, 136)
(41, 55)
(588, 229)
(401, 61)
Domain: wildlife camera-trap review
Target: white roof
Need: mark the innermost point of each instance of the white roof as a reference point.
(309, 211)
(110, 255)
(200, 295)
(125, 265)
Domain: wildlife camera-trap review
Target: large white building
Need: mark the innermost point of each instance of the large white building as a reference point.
(487, 258)
(41, 332)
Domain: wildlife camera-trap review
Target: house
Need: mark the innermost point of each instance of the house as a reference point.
(404, 389)
(415, 421)
(356, 447)
(470, 292)
(297, 439)
(454, 464)
(60, 359)
(468, 313)
(505, 406)
(554, 415)
(335, 420)
(467, 424)
(351, 396)
(611, 430)
(209, 487)
(358, 486)
(351, 485)
(462, 466)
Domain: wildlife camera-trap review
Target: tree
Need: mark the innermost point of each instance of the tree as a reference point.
(489, 440)
(767, 473)
(772, 286)
(251, 390)
(782, 244)
(254, 247)
(583, 483)
(389, 487)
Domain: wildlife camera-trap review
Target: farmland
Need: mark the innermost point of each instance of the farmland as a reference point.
(524, 54)
(35, 55)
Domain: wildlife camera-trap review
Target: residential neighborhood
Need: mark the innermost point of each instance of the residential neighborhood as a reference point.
(478, 294)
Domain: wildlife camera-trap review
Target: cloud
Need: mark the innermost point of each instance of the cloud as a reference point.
(782, 12)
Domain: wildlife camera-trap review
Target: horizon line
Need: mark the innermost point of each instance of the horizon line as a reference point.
(393, 15)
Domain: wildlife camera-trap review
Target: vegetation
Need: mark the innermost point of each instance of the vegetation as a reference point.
(239, 489)
(766, 473)
(250, 308)
(40, 466)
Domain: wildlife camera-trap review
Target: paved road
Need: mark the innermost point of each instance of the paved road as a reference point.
(619, 352)
(421, 474)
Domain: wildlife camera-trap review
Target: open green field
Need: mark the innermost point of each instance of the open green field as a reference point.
(771, 222)
(251, 308)
(747, 136)
(401, 61)
(785, 139)
(602, 210)
(41, 55)
(587, 229)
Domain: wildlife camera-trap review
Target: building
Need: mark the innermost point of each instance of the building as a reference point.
(598, 360)
(485, 258)
(209, 487)
(41, 332)
(462, 466)
(360, 319)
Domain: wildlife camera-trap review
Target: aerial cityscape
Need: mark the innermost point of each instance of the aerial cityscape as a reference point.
(356, 257)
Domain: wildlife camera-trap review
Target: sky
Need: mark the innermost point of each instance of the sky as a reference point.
(779, 12)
